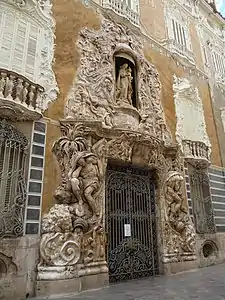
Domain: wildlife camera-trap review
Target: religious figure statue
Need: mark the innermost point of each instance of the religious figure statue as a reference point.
(124, 88)
(85, 178)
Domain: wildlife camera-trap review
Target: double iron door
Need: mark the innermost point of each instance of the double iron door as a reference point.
(130, 223)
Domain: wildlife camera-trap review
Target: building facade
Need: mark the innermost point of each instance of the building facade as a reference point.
(112, 127)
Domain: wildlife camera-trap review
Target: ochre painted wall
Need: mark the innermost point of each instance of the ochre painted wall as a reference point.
(152, 19)
(70, 17)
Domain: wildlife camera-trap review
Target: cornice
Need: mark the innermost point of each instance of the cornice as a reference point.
(183, 8)
(212, 13)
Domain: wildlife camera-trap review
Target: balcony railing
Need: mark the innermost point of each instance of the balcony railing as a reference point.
(198, 151)
(122, 9)
(181, 50)
(20, 99)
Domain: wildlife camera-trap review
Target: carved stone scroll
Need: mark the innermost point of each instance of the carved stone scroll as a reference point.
(179, 229)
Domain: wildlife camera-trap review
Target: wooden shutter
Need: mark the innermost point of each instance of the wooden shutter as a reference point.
(31, 51)
(19, 49)
(7, 40)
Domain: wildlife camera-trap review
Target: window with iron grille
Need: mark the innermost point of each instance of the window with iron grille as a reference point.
(13, 145)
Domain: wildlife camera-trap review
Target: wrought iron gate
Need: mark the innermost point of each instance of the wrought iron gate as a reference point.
(130, 223)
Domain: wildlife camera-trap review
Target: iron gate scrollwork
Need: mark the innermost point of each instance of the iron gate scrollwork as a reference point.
(130, 223)
(13, 146)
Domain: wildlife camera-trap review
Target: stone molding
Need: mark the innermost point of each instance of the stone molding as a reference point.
(20, 99)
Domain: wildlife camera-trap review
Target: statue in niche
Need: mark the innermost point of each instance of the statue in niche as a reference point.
(85, 176)
(124, 89)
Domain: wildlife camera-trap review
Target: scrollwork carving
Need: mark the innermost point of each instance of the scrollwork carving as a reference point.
(179, 229)
(96, 96)
(59, 249)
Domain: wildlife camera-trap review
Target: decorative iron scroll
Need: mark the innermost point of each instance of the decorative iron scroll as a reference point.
(13, 146)
(130, 203)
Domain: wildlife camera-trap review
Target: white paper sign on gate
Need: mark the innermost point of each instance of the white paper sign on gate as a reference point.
(127, 230)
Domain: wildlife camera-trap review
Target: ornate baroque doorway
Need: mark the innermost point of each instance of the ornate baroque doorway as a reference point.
(130, 223)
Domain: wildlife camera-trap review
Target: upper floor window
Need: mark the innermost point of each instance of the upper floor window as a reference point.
(126, 8)
(19, 40)
(179, 39)
(214, 59)
(218, 63)
(179, 34)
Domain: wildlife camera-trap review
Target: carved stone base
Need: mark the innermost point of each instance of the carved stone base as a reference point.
(174, 258)
(126, 117)
(56, 272)
(71, 286)
(182, 266)
(68, 272)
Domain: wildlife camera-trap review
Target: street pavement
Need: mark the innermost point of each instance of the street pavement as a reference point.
(205, 284)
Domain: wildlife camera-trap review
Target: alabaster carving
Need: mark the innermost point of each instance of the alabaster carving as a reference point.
(58, 219)
(179, 229)
(124, 88)
(96, 94)
(72, 230)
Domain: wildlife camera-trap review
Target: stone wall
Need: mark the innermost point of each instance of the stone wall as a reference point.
(18, 262)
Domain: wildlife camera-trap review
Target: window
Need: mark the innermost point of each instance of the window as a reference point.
(179, 34)
(35, 180)
(218, 63)
(201, 200)
(12, 185)
(19, 39)
(217, 183)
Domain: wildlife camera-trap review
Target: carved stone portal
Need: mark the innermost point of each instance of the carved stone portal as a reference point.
(73, 239)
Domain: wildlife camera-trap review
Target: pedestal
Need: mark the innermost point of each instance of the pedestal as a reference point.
(126, 117)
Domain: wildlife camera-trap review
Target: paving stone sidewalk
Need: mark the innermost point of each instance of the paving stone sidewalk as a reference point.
(205, 284)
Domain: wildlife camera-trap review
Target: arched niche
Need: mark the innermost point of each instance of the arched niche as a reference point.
(123, 57)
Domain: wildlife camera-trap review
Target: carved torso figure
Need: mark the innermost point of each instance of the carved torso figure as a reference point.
(85, 179)
(124, 85)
